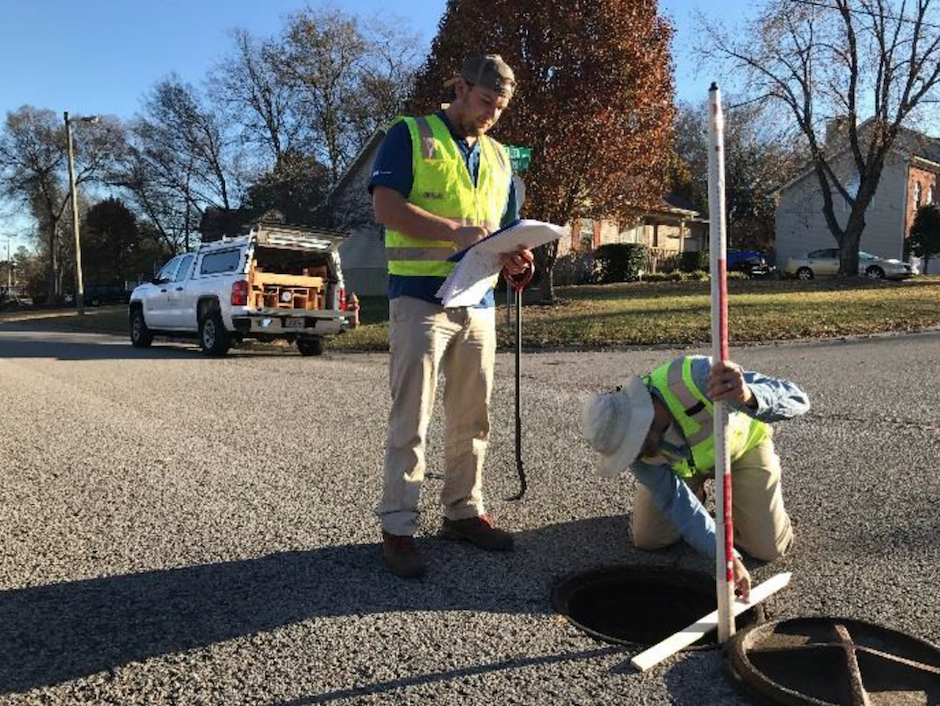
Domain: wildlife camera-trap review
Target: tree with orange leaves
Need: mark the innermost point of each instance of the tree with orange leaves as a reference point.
(594, 100)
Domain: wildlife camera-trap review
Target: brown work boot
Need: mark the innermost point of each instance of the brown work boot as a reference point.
(479, 531)
(402, 556)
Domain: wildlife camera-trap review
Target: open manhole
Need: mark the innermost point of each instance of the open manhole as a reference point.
(640, 605)
(827, 661)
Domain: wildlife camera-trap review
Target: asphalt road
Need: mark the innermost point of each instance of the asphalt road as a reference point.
(182, 530)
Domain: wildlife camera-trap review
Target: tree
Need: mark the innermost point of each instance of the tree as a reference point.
(351, 79)
(181, 159)
(33, 172)
(827, 64)
(249, 87)
(279, 124)
(925, 233)
(152, 252)
(594, 100)
(25, 265)
(110, 241)
(30, 272)
(297, 187)
(32, 154)
(757, 162)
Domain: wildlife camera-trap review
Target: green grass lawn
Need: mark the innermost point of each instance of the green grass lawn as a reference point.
(666, 313)
(106, 319)
(641, 313)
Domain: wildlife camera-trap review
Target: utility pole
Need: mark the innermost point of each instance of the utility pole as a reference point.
(79, 285)
(9, 260)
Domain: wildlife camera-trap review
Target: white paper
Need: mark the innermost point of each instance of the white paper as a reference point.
(472, 275)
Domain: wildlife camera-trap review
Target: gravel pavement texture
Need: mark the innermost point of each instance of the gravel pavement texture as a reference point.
(176, 529)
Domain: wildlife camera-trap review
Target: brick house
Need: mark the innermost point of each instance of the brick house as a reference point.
(673, 227)
(908, 181)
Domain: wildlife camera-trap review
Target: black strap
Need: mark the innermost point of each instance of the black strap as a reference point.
(695, 409)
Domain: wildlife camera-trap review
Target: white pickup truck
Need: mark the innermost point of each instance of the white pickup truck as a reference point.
(277, 282)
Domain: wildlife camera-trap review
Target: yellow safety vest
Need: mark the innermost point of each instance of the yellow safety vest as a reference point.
(442, 186)
(695, 415)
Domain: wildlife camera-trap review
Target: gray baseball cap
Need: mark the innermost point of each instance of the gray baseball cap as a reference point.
(489, 71)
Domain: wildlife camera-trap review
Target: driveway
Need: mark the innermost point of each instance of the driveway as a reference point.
(178, 529)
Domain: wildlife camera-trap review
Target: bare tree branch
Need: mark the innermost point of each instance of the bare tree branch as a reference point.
(855, 57)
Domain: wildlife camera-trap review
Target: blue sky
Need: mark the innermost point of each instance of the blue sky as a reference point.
(102, 56)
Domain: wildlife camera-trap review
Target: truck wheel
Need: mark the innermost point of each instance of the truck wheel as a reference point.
(213, 338)
(310, 346)
(141, 336)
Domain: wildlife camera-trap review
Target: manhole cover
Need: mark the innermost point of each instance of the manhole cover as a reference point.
(640, 605)
(834, 661)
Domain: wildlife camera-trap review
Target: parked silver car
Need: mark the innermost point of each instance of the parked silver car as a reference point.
(822, 263)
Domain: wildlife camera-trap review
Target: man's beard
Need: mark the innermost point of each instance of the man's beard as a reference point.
(470, 128)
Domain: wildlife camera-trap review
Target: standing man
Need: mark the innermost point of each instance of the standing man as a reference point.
(662, 428)
(439, 185)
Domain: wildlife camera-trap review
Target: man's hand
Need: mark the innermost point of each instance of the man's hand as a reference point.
(742, 580)
(516, 263)
(726, 383)
(465, 236)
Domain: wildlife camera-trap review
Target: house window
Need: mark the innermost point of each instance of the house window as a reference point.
(930, 194)
(917, 194)
(630, 233)
(587, 234)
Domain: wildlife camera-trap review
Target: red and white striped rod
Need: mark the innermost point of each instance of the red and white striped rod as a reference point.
(724, 549)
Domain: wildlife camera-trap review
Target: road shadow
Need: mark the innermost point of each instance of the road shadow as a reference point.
(17, 341)
(449, 675)
(56, 633)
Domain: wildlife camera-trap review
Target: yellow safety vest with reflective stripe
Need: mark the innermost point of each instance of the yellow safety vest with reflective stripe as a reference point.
(442, 186)
(695, 415)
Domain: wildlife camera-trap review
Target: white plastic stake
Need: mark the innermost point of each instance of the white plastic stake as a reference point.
(724, 546)
(657, 653)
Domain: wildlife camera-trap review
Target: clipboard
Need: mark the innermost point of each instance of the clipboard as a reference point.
(479, 265)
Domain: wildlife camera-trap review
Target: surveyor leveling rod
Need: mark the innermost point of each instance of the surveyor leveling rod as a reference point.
(518, 283)
(724, 544)
(728, 608)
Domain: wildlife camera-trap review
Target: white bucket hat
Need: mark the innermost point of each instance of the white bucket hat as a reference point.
(616, 423)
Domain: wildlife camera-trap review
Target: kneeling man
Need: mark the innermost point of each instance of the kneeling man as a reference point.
(661, 426)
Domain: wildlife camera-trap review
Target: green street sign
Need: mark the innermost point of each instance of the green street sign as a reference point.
(519, 157)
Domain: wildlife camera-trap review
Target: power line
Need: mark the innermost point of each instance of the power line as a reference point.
(826, 6)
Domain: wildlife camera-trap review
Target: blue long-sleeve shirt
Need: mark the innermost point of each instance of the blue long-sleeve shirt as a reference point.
(776, 400)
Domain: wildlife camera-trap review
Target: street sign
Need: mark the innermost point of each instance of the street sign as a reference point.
(519, 157)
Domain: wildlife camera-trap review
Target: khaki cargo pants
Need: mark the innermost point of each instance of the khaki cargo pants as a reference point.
(761, 524)
(424, 340)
